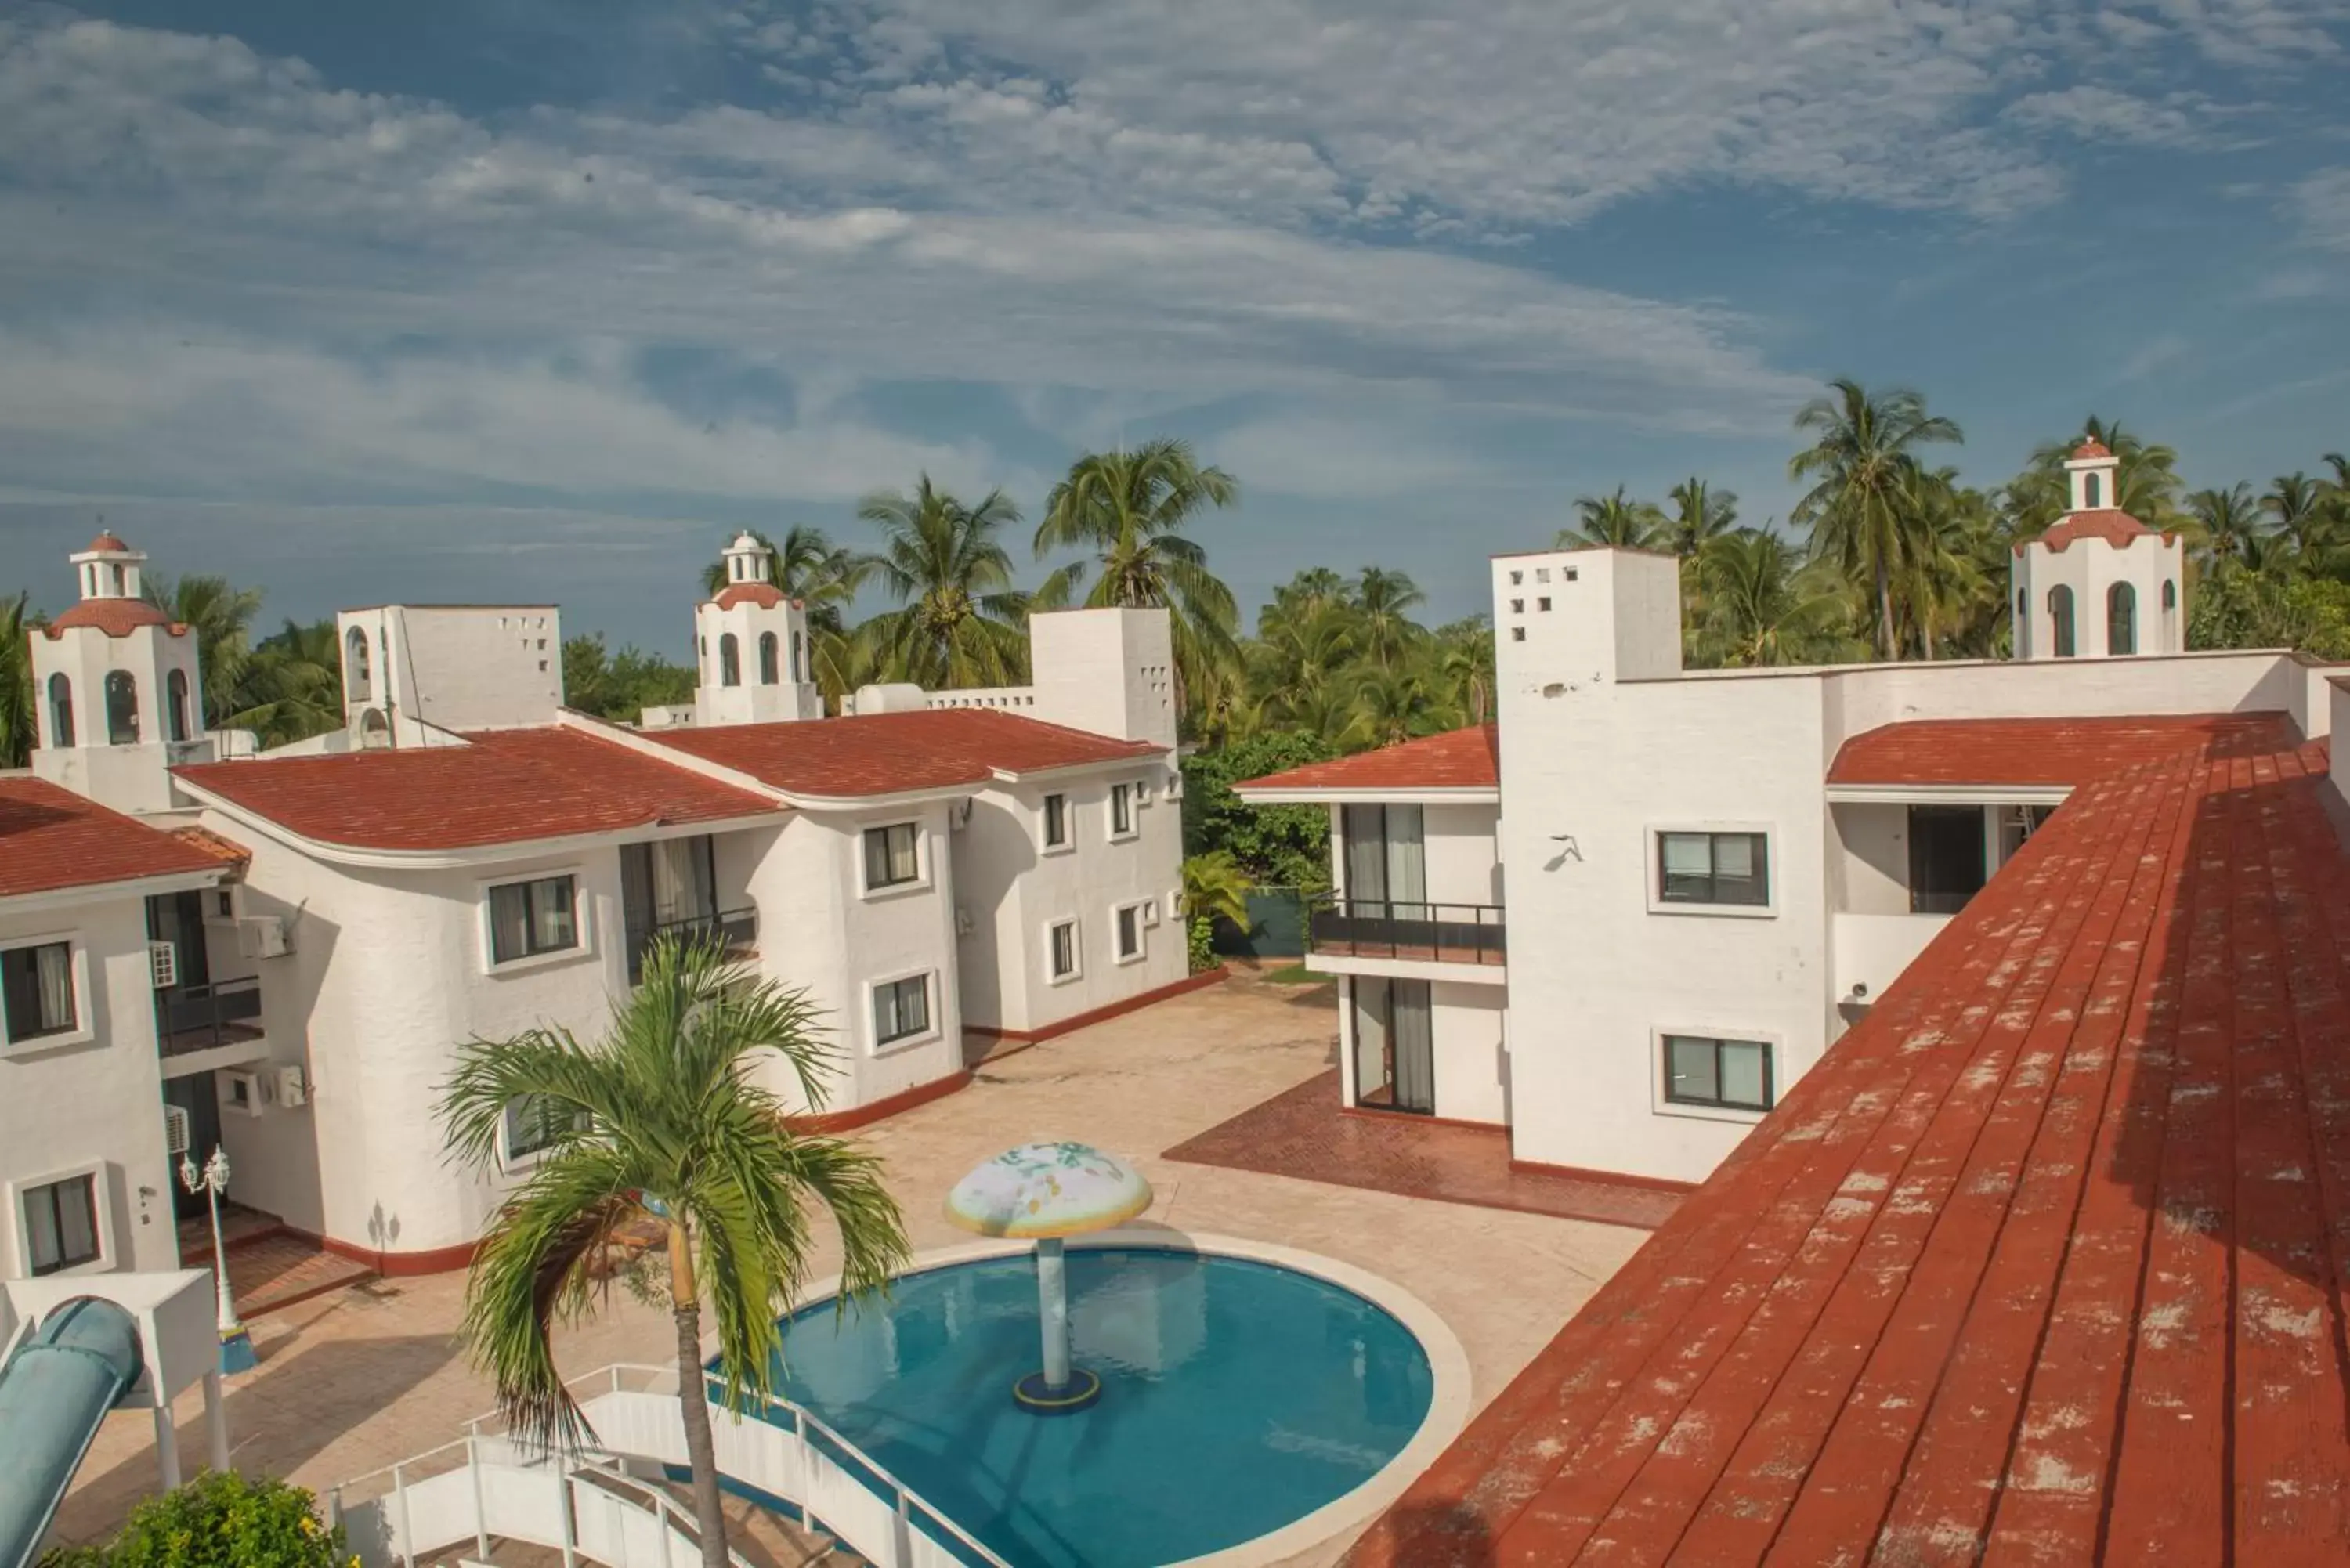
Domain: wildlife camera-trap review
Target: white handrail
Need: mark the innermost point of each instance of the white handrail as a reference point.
(905, 1503)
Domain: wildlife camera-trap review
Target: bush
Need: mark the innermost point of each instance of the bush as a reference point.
(1200, 936)
(1277, 845)
(220, 1521)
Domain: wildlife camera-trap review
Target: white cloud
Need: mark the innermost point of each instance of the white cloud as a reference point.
(1323, 458)
(2100, 113)
(2322, 203)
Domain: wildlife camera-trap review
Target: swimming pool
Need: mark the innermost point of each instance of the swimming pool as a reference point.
(1238, 1396)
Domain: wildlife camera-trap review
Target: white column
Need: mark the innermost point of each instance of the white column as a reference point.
(216, 1418)
(1052, 1308)
(167, 1445)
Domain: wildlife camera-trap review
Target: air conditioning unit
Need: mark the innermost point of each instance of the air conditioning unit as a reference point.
(162, 965)
(177, 1131)
(262, 936)
(241, 1093)
(965, 924)
(293, 1085)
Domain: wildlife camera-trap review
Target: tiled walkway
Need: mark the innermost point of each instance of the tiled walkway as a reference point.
(1302, 1132)
(360, 1378)
(268, 1266)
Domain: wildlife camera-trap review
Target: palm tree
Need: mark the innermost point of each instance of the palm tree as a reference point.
(1383, 628)
(1765, 606)
(663, 1118)
(292, 686)
(2145, 482)
(1465, 659)
(1129, 509)
(17, 727)
(2229, 520)
(2295, 504)
(964, 623)
(222, 616)
(1865, 503)
(1215, 888)
(1699, 513)
(1310, 592)
(1614, 520)
(1392, 705)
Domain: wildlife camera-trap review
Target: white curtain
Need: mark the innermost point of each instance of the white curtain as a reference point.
(53, 968)
(1407, 859)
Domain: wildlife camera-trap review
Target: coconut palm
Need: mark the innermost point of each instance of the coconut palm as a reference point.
(1306, 594)
(1128, 511)
(1614, 520)
(222, 616)
(2229, 520)
(1215, 888)
(1384, 626)
(1464, 660)
(1866, 505)
(2295, 505)
(1699, 513)
(1765, 605)
(2145, 482)
(291, 687)
(963, 623)
(1392, 705)
(17, 725)
(664, 1119)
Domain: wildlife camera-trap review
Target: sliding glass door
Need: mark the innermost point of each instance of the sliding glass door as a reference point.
(1387, 862)
(1395, 1046)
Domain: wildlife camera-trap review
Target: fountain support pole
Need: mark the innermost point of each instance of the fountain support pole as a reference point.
(1052, 1310)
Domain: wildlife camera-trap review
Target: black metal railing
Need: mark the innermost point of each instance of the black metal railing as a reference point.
(199, 1017)
(1392, 929)
(736, 931)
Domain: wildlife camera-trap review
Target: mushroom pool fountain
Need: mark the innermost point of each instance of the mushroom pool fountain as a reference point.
(1116, 1396)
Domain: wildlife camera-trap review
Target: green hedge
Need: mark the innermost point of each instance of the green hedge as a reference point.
(220, 1521)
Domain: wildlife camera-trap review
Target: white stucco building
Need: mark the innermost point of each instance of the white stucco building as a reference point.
(468, 858)
(1626, 916)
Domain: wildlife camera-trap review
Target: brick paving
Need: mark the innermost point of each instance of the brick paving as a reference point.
(269, 1267)
(1302, 1132)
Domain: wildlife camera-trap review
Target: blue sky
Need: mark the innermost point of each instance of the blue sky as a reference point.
(490, 299)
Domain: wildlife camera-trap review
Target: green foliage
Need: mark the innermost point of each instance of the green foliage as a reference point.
(2243, 609)
(963, 623)
(620, 686)
(17, 729)
(220, 1520)
(1199, 943)
(1276, 845)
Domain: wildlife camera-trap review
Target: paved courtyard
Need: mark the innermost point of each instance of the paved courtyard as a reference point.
(351, 1381)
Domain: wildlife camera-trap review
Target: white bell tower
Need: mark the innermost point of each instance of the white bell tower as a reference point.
(2099, 583)
(116, 687)
(751, 645)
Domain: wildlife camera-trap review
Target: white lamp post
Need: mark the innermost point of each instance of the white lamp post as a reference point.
(236, 1346)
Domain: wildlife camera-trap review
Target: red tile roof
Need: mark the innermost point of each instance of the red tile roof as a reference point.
(508, 786)
(2038, 753)
(116, 618)
(884, 754)
(2114, 527)
(1457, 759)
(767, 595)
(204, 841)
(108, 542)
(2090, 447)
(52, 838)
(2042, 1263)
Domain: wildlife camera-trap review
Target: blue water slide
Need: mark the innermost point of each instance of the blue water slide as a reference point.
(54, 1392)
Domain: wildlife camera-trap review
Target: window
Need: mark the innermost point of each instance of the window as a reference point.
(2093, 488)
(1057, 821)
(536, 1122)
(61, 728)
(770, 656)
(1121, 810)
(175, 703)
(2060, 618)
(892, 856)
(61, 1224)
(1713, 869)
(1724, 1074)
(1517, 634)
(1516, 577)
(1517, 607)
(1946, 857)
(1542, 574)
(799, 657)
(730, 661)
(1065, 949)
(122, 708)
(2023, 608)
(527, 919)
(1128, 921)
(901, 1009)
(2169, 595)
(2121, 618)
(37, 986)
(355, 665)
(1542, 604)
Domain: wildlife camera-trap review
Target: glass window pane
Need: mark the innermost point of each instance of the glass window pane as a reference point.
(555, 925)
(876, 857)
(914, 1005)
(1127, 933)
(1691, 1070)
(41, 1229)
(52, 977)
(1733, 854)
(509, 922)
(1743, 1067)
(77, 1219)
(1687, 854)
(902, 867)
(1057, 818)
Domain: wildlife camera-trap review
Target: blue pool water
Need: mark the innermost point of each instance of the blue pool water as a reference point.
(1237, 1397)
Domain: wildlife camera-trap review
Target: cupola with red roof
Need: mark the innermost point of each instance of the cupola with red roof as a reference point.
(752, 646)
(2098, 582)
(117, 686)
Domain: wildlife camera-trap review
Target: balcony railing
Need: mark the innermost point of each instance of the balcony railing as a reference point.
(1426, 932)
(736, 931)
(199, 1017)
